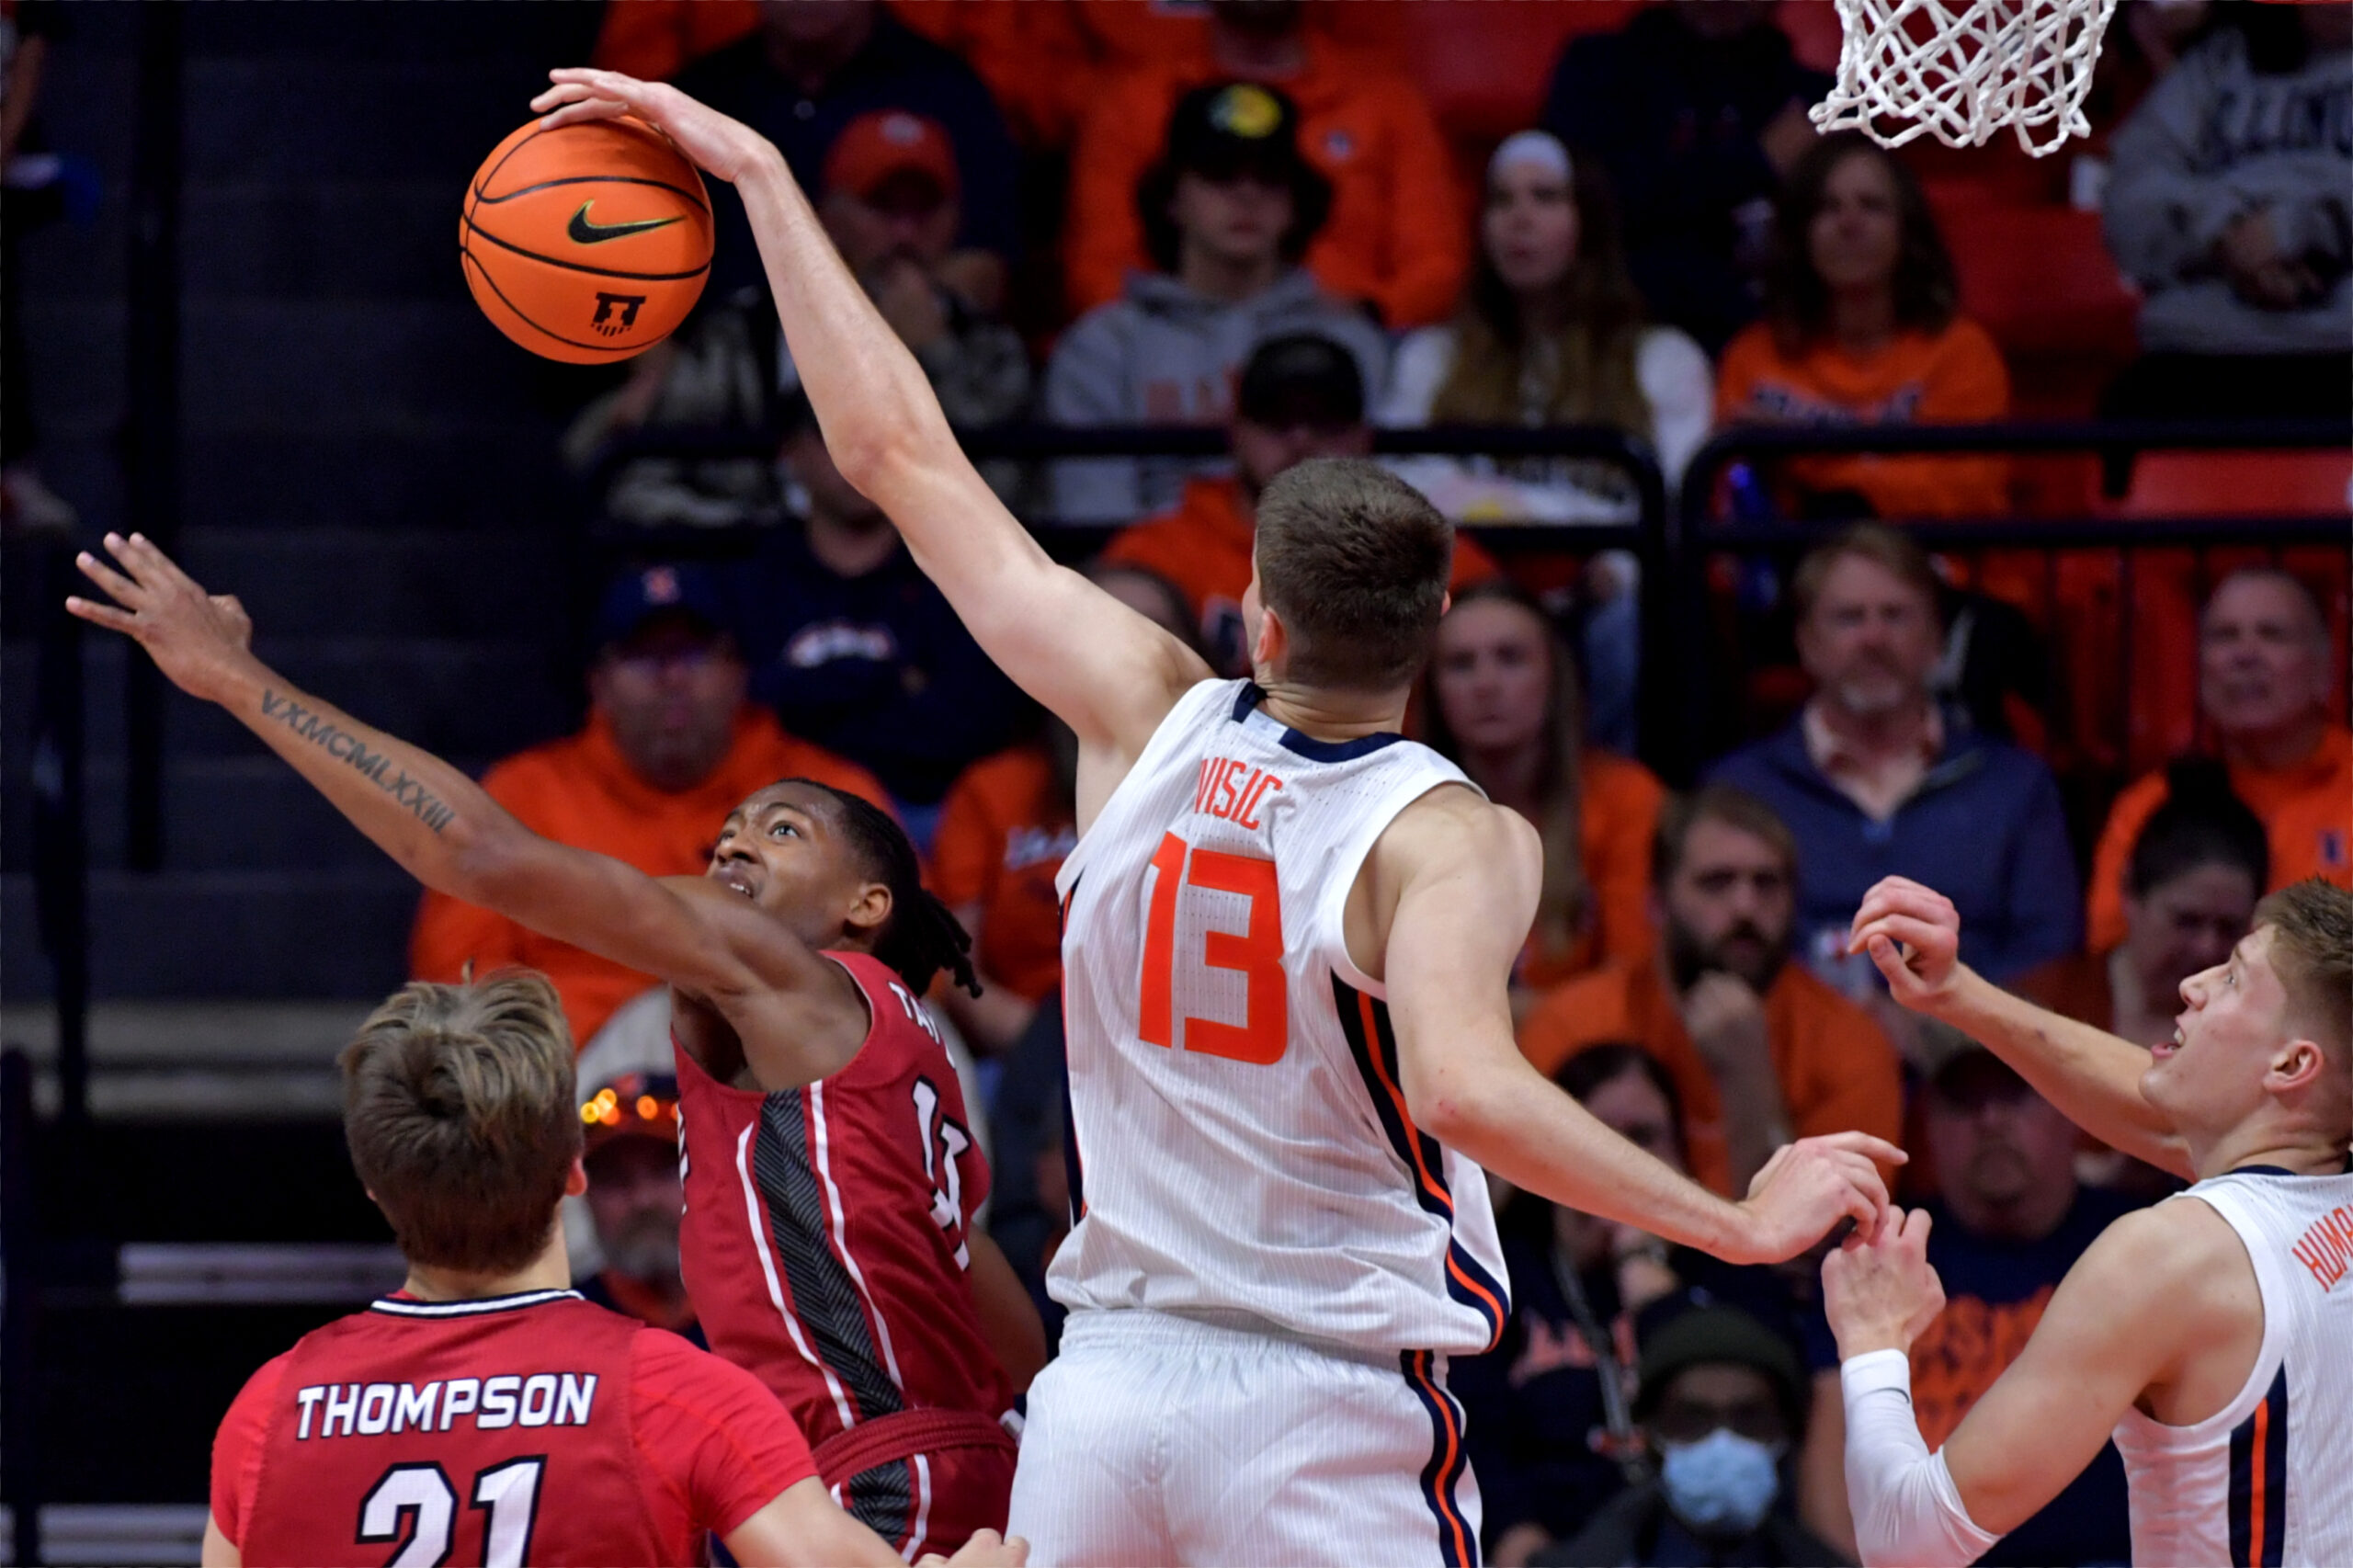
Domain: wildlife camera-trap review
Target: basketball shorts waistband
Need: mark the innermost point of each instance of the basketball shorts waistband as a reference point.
(903, 1434)
(1230, 1334)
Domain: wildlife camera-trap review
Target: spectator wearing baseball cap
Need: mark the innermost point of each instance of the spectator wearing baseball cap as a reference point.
(1392, 243)
(1300, 396)
(630, 1154)
(801, 75)
(891, 203)
(671, 747)
(1227, 211)
(1721, 1405)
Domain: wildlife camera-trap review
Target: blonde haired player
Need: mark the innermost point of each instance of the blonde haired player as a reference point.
(1288, 933)
(2213, 1334)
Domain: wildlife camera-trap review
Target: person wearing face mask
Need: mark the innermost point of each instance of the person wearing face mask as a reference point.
(1551, 1409)
(2267, 694)
(1863, 327)
(1760, 1051)
(1501, 701)
(1722, 1407)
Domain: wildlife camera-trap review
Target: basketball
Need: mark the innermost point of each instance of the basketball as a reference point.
(588, 242)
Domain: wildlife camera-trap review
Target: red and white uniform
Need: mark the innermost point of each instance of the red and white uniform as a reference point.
(825, 1249)
(1270, 1261)
(532, 1428)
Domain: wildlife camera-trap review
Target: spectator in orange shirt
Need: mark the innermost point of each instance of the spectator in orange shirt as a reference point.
(1501, 701)
(1227, 211)
(1761, 1052)
(1004, 830)
(2264, 683)
(1393, 242)
(1863, 327)
(670, 746)
(1300, 396)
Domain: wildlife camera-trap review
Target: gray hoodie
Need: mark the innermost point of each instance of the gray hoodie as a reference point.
(1165, 354)
(2212, 141)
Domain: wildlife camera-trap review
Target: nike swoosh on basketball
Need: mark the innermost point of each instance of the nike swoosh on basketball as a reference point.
(585, 233)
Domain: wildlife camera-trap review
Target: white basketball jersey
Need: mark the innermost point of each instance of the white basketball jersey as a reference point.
(2268, 1479)
(1242, 1148)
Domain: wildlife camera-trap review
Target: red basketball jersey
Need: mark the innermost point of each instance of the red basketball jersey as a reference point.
(824, 1235)
(532, 1429)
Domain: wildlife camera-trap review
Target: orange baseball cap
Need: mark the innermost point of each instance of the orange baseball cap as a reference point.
(889, 141)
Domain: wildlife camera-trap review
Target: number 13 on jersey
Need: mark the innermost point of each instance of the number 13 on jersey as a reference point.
(1256, 954)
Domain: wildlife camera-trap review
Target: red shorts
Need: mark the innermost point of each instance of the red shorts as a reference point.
(923, 1480)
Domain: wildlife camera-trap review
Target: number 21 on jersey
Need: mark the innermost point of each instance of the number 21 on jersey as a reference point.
(1256, 954)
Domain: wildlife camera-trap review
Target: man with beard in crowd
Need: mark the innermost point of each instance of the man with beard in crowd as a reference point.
(634, 1198)
(1761, 1052)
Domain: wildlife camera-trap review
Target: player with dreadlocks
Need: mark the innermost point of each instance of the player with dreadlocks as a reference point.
(830, 1176)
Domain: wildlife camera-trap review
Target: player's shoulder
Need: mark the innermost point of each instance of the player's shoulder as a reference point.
(2163, 1253)
(1452, 827)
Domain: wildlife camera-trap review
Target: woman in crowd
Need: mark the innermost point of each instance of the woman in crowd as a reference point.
(1550, 332)
(1863, 327)
(1501, 703)
(1551, 1430)
(2200, 862)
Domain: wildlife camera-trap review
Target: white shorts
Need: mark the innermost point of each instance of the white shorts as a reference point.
(1154, 1439)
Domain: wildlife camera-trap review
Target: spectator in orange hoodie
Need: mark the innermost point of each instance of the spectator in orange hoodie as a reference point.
(2264, 685)
(1502, 702)
(1760, 1051)
(1863, 327)
(1392, 243)
(1300, 396)
(671, 746)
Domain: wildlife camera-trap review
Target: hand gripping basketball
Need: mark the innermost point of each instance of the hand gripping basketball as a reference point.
(201, 641)
(1808, 1187)
(725, 149)
(1913, 934)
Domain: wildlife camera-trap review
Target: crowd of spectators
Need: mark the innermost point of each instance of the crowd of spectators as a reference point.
(1266, 230)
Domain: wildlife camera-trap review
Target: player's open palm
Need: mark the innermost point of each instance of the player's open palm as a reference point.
(1913, 934)
(1881, 1294)
(723, 147)
(1809, 1186)
(201, 641)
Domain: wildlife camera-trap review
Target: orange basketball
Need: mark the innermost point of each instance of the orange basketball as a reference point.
(588, 242)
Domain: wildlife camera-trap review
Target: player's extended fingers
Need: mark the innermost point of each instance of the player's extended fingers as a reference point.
(141, 557)
(1863, 1143)
(1896, 899)
(102, 615)
(120, 588)
(1916, 1232)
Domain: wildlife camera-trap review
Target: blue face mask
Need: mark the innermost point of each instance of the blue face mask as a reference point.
(1723, 1483)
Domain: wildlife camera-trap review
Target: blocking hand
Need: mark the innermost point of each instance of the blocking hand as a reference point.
(201, 641)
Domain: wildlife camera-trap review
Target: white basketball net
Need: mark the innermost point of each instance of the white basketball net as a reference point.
(1960, 70)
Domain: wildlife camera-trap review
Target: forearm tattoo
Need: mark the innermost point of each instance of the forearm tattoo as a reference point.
(376, 766)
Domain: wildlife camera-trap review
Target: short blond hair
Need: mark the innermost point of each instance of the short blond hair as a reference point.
(2312, 951)
(462, 1118)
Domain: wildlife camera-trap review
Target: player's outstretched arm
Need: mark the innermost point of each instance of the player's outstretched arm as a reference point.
(451, 836)
(2153, 1287)
(1103, 669)
(1913, 934)
(1465, 876)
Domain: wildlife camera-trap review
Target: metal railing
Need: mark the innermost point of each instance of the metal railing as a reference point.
(1697, 531)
